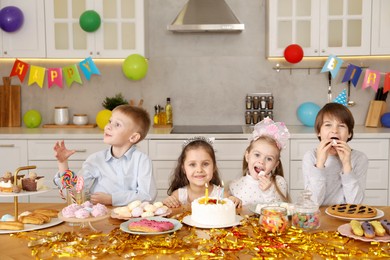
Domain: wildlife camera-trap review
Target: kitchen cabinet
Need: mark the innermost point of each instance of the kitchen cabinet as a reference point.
(29, 40)
(380, 40)
(165, 153)
(13, 154)
(120, 34)
(320, 27)
(377, 151)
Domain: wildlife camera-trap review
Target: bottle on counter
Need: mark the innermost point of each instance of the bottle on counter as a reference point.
(162, 117)
(155, 117)
(169, 112)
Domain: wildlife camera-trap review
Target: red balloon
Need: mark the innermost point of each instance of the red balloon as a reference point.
(293, 53)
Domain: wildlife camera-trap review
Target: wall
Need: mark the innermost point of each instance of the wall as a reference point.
(206, 75)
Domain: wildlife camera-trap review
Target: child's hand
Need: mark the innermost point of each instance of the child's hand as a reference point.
(172, 202)
(236, 201)
(102, 198)
(323, 152)
(265, 182)
(344, 153)
(61, 153)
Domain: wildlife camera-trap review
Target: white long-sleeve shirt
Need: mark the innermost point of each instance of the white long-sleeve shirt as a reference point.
(330, 185)
(248, 191)
(127, 178)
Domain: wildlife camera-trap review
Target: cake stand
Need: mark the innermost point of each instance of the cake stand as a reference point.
(23, 168)
(85, 223)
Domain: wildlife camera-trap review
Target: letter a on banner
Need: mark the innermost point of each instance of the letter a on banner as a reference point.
(54, 77)
(19, 69)
(37, 75)
(371, 79)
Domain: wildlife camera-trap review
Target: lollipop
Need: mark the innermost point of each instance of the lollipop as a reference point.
(68, 181)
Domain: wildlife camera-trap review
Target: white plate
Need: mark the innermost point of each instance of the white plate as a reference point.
(114, 215)
(91, 219)
(177, 225)
(379, 214)
(30, 227)
(22, 193)
(252, 207)
(346, 230)
(188, 220)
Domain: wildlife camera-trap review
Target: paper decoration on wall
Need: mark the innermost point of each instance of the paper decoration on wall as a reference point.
(71, 74)
(333, 65)
(19, 69)
(371, 79)
(352, 73)
(342, 98)
(88, 67)
(55, 76)
(37, 75)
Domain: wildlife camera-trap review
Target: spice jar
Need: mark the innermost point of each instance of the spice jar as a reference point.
(270, 102)
(263, 102)
(248, 102)
(256, 102)
(273, 219)
(248, 117)
(306, 214)
(61, 115)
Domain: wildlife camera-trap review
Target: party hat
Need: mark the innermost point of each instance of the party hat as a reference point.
(341, 98)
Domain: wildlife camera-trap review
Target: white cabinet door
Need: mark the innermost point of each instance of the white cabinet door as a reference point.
(29, 40)
(320, 27)
(376, 197)
(120, 34)
(380, 40)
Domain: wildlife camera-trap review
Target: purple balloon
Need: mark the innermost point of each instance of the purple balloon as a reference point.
(11, 18)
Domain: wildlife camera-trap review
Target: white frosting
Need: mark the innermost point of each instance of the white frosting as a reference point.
(213, 214)
(7, 184)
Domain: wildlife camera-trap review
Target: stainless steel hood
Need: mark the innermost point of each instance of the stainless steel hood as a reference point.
(206, 16)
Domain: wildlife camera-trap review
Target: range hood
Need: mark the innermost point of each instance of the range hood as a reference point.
(206, 16)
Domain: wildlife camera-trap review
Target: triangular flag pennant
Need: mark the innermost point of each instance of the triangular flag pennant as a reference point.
(71, 74)
(19, 69)
(88, 67)
(386, 84)
(37, 75)
(332, 64)
(371, 79)
(54, 77)
(352, 73)
(341, 98)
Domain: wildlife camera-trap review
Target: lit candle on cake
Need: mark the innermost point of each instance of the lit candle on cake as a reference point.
(206, 193)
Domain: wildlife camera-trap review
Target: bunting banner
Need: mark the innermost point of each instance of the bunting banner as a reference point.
(37, 75)
(55, 76)
(386, 84)
(371, 79)
(88, 67)
(352, 73)
(333, 65)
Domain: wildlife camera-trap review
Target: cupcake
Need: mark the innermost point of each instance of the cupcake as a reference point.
(6, 186)
(31, 182)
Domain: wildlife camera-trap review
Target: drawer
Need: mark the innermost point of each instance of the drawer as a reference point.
(162, 171)
(43, 149)
(171, 149)
(377, 149)
(377, 175)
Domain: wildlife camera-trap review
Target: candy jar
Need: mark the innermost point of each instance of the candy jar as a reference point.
(306, 214)
(273, 219)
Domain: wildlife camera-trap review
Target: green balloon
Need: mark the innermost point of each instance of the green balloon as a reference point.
(32, 119)
(135, 67)
(90, 21)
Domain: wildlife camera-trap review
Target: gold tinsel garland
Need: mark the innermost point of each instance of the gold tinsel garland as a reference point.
(244, 241)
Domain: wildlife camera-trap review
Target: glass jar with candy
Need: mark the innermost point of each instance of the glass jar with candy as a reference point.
(306, 214)
(273, 219)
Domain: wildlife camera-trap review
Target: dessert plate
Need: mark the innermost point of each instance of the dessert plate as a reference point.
(346, 230)
(117, 216)
(91, 219)
(188, 220)
(379, 214)
(30, 227)
(23, 193)
(177, 225)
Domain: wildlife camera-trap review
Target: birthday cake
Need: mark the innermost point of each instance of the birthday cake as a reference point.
(213, 211)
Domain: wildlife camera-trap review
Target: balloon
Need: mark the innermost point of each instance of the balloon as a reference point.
(32, 119)
(385, 119)
(293, 53)
(89, 21)
(102, 118)
(135, 67)
(11, 18)
(307, 113)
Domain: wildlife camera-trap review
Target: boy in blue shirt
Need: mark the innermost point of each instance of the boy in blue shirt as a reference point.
(121, 173)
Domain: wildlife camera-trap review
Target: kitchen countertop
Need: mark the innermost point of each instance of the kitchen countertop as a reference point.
(297, 132)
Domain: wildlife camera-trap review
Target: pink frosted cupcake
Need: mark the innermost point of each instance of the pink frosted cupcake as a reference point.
(69, 211)
(99, 210)
(82, 213)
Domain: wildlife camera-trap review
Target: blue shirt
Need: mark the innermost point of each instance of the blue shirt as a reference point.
(127, 178)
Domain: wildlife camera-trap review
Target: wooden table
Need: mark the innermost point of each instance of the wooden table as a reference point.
(16, 248)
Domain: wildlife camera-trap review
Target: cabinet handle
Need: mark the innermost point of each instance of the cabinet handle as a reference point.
(5, 52)
(90, 53)
(315, 51)
(81, 151)
(323, 51)
(7, 145)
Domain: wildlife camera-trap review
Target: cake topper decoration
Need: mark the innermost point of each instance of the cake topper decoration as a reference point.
(209, 140)
(276, 130)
